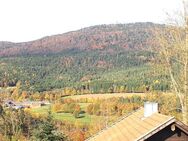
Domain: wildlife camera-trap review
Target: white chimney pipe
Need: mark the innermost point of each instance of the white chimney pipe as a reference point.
(150, 108)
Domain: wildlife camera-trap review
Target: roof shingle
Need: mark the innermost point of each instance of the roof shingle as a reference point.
(134, 127)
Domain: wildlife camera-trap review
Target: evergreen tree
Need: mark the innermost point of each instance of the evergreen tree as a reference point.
(46, 131)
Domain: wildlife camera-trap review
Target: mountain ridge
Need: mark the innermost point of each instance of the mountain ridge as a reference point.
(128, 36)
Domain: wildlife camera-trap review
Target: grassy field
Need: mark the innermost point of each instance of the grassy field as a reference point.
(84, 118)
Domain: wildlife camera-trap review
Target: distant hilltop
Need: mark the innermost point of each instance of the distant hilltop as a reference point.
(101, 37)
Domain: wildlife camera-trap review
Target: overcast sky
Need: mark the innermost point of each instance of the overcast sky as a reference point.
(25, 20)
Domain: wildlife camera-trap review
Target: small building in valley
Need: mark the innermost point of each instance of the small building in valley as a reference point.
(9, 103)
(34, 104)
(145, 124)
(24, 104)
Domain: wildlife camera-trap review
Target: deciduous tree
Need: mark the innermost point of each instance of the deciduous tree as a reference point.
(173, 42)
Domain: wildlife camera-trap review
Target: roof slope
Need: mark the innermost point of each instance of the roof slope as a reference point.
(134, 127)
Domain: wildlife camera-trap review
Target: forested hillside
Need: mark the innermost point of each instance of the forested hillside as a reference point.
(105, 58)
(103, 37)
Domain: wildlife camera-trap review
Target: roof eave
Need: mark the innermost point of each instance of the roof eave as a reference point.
(156, 129)
(182, 126)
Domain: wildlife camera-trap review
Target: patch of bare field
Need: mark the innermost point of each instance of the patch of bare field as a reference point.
(111, 95)
(105, 96)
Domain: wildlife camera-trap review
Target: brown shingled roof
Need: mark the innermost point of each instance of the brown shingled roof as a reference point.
(134, 127)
